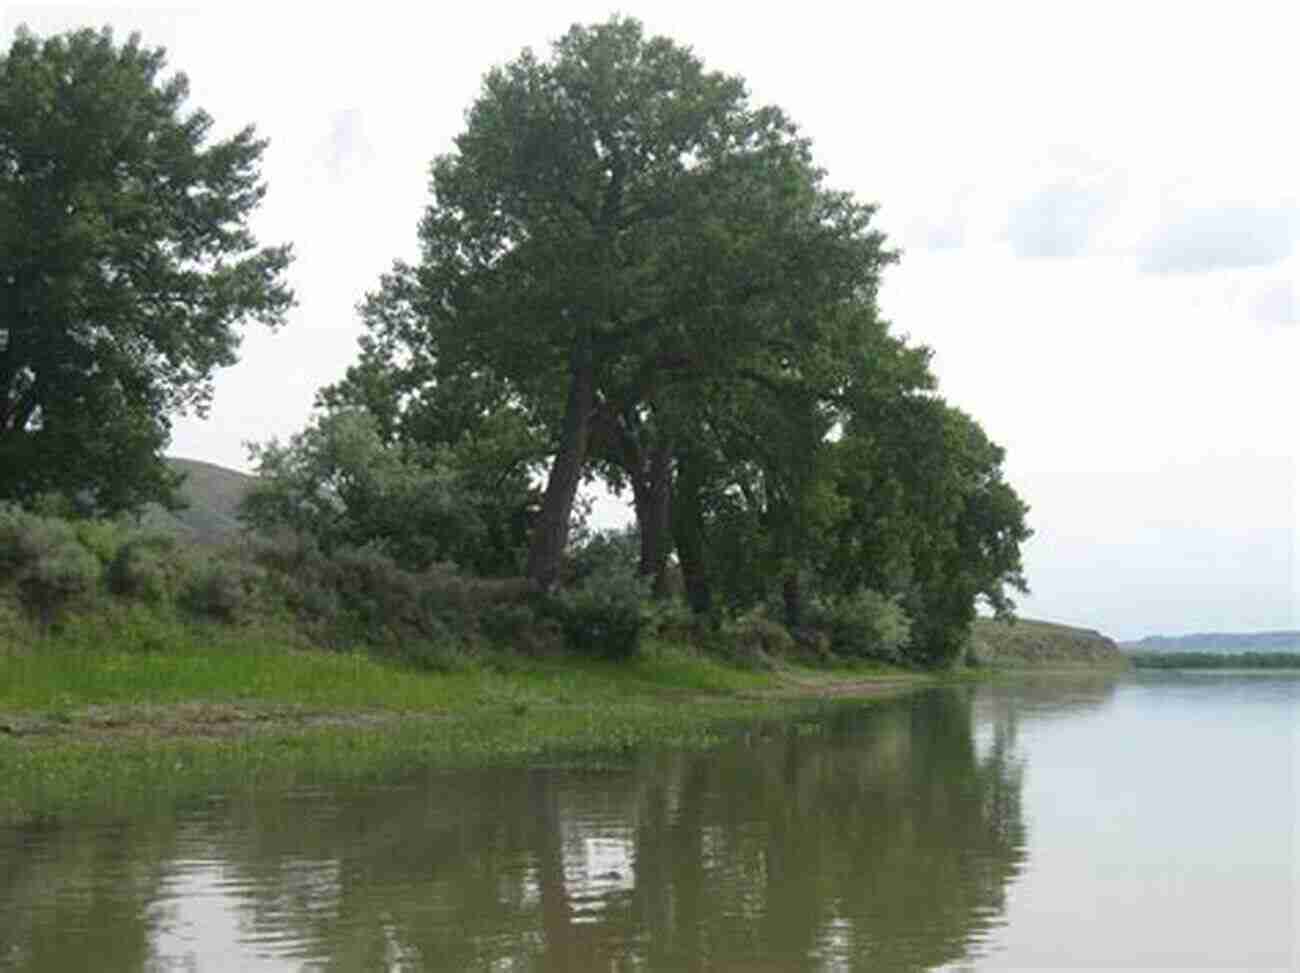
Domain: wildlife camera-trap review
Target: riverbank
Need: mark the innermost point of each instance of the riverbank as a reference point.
(181, 672)
(100, 731)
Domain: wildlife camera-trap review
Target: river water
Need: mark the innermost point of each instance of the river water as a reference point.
(1141, 822)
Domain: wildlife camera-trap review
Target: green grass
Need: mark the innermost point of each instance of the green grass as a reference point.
(472, 718)
(244, 666)
(96, 777)
(107, 725)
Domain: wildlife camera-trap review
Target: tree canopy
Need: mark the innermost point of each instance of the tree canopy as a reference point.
(616, 229)
(628, 273)
(126, 265)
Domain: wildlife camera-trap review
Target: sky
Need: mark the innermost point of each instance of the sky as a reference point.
(1098, 206)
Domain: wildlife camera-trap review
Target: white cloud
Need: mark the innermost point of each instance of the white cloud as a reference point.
(1057, 221)
(1208, 238)
(345, 149)
(1276, 303)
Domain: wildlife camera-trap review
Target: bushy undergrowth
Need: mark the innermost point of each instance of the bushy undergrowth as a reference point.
(147, 587)
(754, 640)
(866, 625)
(436, 618)
(603, 615)
(45, 561)
(146, 568)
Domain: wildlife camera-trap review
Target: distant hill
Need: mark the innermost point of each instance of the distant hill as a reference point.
(1227, 643)
(1027, 642)
(213, 494)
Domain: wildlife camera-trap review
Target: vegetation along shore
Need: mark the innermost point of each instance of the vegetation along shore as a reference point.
(158, 668)
(629, 274)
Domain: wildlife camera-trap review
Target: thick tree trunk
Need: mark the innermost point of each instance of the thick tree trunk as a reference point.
(792, 597)
(652, 497)
(688, 533)
(552, 531)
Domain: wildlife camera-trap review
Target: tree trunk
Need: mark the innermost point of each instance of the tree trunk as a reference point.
(792, 596)
(688, 533)
(652, 496)
(552, 531)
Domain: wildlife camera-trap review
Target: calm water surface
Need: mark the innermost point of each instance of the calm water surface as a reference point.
(1146, 823)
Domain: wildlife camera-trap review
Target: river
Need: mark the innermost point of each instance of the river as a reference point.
(1144, 821)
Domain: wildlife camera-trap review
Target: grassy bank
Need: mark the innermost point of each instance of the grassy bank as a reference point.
(99, 729)
(137, 667)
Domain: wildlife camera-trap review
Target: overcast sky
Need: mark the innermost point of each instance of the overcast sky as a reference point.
(1098, 204)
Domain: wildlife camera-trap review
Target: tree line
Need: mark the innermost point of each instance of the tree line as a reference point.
(628, 273)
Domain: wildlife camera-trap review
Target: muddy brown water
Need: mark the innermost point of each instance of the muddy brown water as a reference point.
(1140, 822)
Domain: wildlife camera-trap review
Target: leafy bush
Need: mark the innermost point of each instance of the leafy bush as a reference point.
(672, 619)
(103, 538)
(515, 626)
(384, 601)
(438, 649)
(603, 616)
(605, 552)
(220, 589)
(345, 484)
(127, 625)
(867, 625)
(45, 560)
(146, 567)
(753, 639)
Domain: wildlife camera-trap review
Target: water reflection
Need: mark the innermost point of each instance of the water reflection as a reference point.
(873, 838)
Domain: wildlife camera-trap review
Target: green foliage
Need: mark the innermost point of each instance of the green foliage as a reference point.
(754, 640)
(867, 625)
(519, 627)
(103, 538)
(146, 567)
(361, 596)
(606, 552)
(602, 616)
(340, 483)
(927, 515)
(128, 266)
(45, 561)
(219, 589)
(618, 236)
(627, 271)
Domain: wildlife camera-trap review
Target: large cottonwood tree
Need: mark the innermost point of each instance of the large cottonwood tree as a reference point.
(617, 221)
(126, 265)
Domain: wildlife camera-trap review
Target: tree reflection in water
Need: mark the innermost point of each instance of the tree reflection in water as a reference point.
(876, 837)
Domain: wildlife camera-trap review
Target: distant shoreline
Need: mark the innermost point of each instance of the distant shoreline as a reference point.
(1218, 643)
(1215, 660)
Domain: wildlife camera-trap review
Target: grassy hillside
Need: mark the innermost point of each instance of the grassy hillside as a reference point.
(1027, 642)
(1226, 643)
(212, 494)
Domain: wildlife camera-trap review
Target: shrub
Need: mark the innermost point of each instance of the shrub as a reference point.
(754, 639)
(438, 650)
(867, 625)
(380, 597)
(220, 589)
(515, 626)
(605, 552)
(45, 560)
(103, 538)
(671, 619)
(146, 567)
(603, 616)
